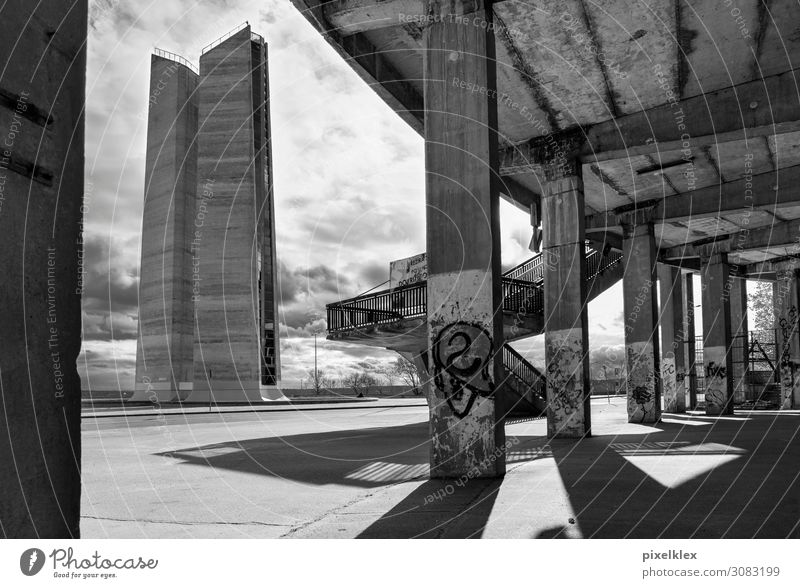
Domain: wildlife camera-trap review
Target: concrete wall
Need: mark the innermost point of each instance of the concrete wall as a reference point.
(42, 89)
(164, 358)
(227, 358)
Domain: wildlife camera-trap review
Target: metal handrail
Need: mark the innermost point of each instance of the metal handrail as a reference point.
(523, 370)
(407, 302)
(224, 37)
(176, 58)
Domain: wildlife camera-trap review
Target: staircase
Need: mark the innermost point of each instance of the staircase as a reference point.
(397, 319)
(523, 391)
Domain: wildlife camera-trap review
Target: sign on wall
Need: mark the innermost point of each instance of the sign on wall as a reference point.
(408, 271)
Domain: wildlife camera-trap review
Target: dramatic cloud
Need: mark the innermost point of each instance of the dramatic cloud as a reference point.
(349, 178)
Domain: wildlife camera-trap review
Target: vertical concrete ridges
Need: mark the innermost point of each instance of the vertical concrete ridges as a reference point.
(44, 70)
(164, 361)
(236, 213)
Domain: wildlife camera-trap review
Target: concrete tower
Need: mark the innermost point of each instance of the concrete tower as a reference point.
(236, 340)
(164, 357)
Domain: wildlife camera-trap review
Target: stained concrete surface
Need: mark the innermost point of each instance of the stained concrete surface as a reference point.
(362, 472)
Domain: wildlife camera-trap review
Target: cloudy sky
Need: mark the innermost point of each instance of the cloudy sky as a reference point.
(349, 182)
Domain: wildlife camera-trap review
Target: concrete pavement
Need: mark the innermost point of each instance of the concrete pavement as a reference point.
(363, 472)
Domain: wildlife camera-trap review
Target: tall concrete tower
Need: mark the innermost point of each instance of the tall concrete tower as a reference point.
(164, 357)
(236, 338)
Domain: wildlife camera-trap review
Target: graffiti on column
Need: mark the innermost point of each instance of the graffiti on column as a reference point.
(669, 382)
(716, 384)
(642, 383)
(462, 354)
(788, 326)
(562, 377)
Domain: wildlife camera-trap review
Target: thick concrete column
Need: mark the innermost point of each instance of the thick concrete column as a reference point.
(42, 94)
(463, 244)
(788, 334)
(566, 335)
(673, 362)
(717, 356)
(739, 336)
(689, 347)
(641, 319)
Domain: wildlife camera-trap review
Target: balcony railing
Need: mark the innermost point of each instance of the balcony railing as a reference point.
(176, 58)
(520, 296)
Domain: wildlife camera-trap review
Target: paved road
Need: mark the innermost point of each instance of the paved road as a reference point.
(362, 472)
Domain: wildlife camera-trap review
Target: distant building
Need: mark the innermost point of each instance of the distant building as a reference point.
(207, 303)
(166, 333)
(236, 345)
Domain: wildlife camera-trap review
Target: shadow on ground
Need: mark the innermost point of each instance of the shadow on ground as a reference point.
(703, 477)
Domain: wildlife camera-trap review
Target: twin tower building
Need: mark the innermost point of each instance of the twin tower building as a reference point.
(208, 322)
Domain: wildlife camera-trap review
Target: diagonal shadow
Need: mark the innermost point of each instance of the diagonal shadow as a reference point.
(439, 509)
(355, 457)
(730, 478)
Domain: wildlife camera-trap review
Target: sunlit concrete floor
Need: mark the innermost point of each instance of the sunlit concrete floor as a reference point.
(362, 472)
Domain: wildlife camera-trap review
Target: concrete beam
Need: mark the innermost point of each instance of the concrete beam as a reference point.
(373, 67)
(781, 233)
(733, 111)
(359, 16)
(517, 194)
(761, 192)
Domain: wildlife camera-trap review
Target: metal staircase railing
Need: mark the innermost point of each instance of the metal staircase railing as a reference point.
(521, 369)
(524, 296)
(528, 396)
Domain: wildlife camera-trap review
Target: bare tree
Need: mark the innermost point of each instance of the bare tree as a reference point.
(407, 372)
(359, 382)
(318, 380)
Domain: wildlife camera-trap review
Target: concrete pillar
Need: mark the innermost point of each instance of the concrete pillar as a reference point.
(689, 347)
(641, 319)
(739, 337)
(566, 336)
(463, 244)
(42, 93)
(672, 319)
(717, 357)
(787, 334)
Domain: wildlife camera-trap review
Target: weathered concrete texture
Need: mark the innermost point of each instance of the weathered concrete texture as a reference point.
(689, 343)
(566, 335)
(717, 356)
(739, 328)
(233, 283)
(164, 355)
(463, 287)
(641, 326)
(42, 83)
(673, 358)
(788, 335)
